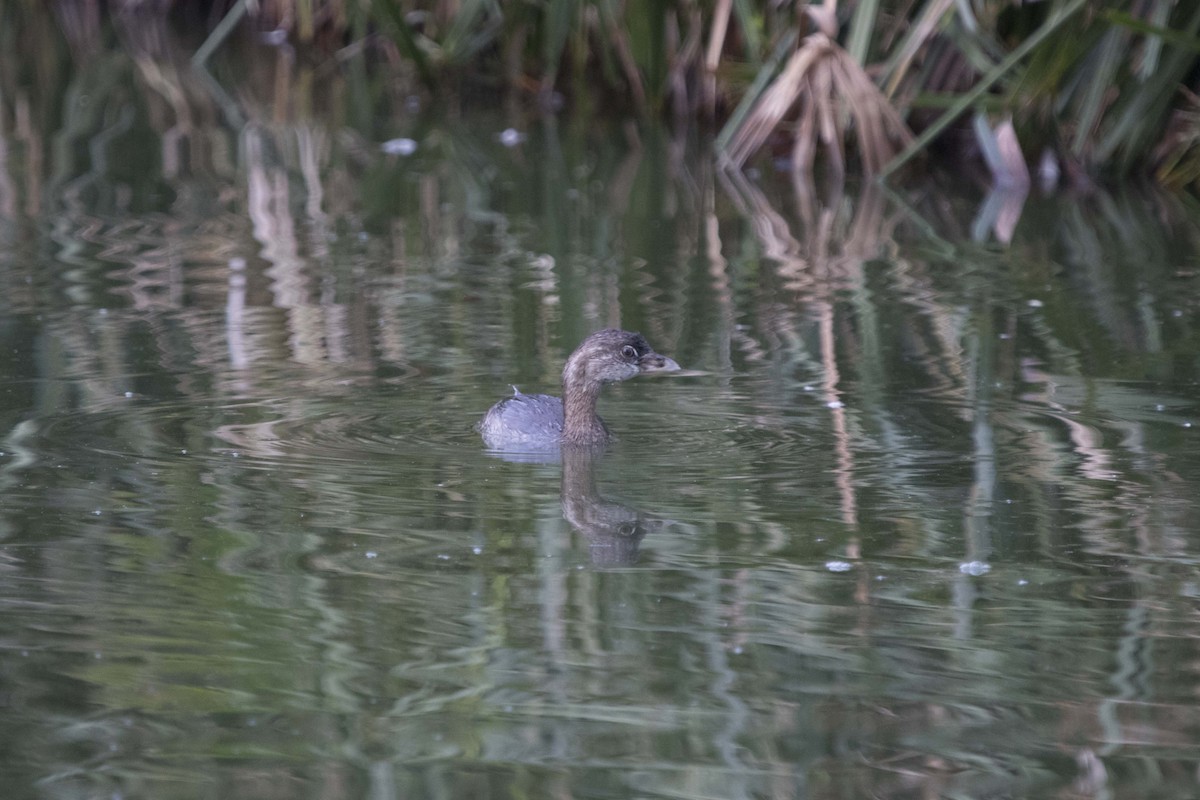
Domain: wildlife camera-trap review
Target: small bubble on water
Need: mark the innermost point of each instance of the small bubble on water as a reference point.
(443, 557)
(370, 554)
(1160, 407)
(1177, 313)
(511, 137)
(975, 568)
(838, 566)
(808, 388)
(1022, 582)
(183, 452)
(476, 549)
(97, 512)
(399, 147)
(103, 312)
(129, 394)
(835, 404)
(1036, 304)
(737, 650)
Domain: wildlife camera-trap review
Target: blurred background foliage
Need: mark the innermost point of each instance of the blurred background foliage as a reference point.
(1090, 89)
(1087, 88)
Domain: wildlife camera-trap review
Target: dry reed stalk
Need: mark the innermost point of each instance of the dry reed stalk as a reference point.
(833, 94)
(712, 56)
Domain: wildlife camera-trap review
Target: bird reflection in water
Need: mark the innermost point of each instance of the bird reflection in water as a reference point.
(612, 531)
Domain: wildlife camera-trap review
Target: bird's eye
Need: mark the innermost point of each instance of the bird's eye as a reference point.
(628, 351)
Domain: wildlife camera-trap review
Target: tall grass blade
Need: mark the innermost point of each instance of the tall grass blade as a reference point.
(466, 36)
(1158, 17)
(1140, 122)
(220, 33)
(761, 81)
(712, 56)
(751, 26)
(1052, 23)
(560, 15)
(862, 26)
(388, 12)
(1101, 70)
(919, 34)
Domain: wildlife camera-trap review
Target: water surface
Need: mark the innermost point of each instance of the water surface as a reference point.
(921, 520)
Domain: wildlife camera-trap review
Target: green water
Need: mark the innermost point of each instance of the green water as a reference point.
(921, 518)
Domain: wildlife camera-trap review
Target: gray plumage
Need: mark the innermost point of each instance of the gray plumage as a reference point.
(542, 420)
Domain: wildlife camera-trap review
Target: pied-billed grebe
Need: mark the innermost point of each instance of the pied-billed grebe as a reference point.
(540, 420)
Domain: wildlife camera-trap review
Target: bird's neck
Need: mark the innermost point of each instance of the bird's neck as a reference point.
(581, 424)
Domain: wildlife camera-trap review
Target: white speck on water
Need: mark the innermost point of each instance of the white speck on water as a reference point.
(1160, 407)
(399, 147)
(370, 554)
(97, 513)
(511, 137)
(237, 262)
(129, 394)
(476, 549)
(1036, 304)
(975, 568)
(1177, 313)
(737, 650)
(808, 388)
(443, 557)
(838, 566)
(103, 312)
(1006, 336)
(835, 404)
(1187, 424)
(1022, 582)
(183, 452)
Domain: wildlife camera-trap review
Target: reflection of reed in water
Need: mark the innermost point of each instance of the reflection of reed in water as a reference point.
(612, 531)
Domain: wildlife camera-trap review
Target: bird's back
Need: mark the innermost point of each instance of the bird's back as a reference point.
(523, 419)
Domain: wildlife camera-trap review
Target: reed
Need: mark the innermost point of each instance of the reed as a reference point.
(1100, 88)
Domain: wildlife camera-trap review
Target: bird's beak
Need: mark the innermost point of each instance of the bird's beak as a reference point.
(656, 362)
